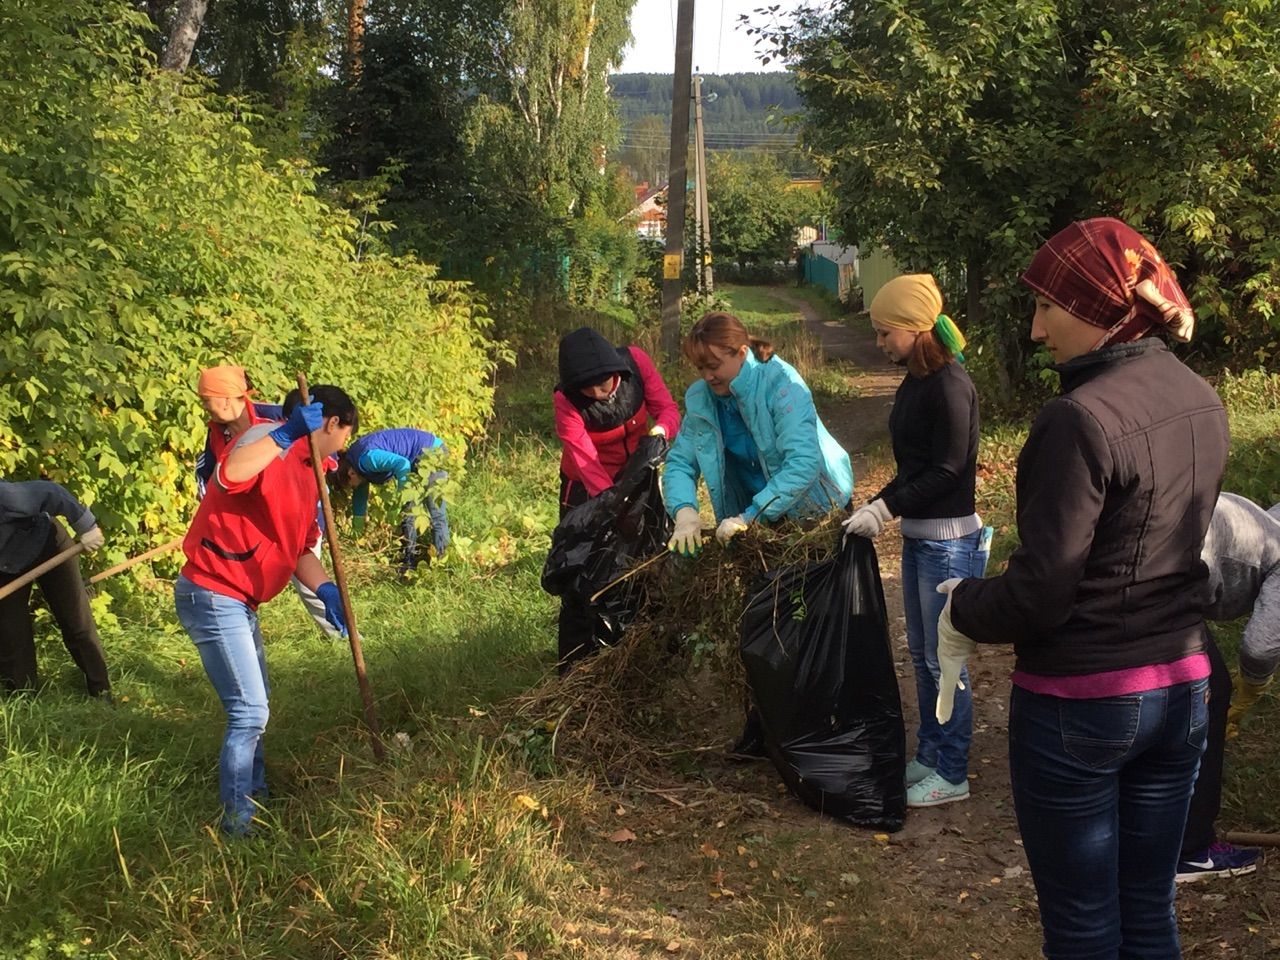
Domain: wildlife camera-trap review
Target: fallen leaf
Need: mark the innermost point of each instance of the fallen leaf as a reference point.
(526, 801)
(741, 850)
(882, 837)
(995, 881)
(621, 835)
(708, 851)
(718, 878)
(476, 713)
(753, 863)
(639, 866)
(620, 810)
(673, 946)
(964, 895)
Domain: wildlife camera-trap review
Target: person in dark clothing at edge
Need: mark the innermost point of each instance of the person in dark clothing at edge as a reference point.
(393, 454)
(1242, 552)
(603, 404)
(29, 535)
(1104, 599)
(934, 427)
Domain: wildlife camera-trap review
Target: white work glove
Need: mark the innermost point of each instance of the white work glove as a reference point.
(92, 539)
(954, 650)
(868, 521)
(686, 540)
(658, 431)
(730, 528)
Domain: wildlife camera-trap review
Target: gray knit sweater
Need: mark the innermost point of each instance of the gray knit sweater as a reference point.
(1242, 551)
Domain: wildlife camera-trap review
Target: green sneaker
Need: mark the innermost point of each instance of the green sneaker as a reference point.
(935, 789)
(917, 771)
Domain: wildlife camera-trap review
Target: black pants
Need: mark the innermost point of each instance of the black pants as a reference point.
(65, 593)
(1206, 800)
(577, 624)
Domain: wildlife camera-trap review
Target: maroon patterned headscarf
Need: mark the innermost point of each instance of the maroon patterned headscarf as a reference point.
(1109, 275)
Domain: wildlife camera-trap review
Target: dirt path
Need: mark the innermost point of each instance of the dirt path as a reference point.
(723, 863)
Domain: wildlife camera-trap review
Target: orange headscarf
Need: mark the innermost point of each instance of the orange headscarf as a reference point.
(227, 381)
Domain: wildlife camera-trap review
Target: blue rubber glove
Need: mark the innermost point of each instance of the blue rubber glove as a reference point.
(332, 599)
(301, 422)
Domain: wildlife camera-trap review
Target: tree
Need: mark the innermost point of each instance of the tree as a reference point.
(648, 148)
(183, 32)
(959, 136)
(753, 210)
(1182, 119)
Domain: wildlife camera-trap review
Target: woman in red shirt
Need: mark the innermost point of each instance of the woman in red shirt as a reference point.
(253, 531)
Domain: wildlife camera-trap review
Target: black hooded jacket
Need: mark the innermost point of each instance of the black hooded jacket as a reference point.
(1116, 487)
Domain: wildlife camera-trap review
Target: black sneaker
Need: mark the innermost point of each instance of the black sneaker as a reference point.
(1219, 860)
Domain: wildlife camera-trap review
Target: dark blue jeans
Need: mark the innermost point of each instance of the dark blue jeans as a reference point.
(925, 564)
(1101, 789)
(439, 525)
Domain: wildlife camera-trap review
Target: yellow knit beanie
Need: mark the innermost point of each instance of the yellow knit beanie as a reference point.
(909, 302)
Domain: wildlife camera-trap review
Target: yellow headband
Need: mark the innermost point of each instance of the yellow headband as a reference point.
(910, 302)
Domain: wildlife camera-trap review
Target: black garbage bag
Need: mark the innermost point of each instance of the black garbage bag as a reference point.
(598, 541)
(815, 642)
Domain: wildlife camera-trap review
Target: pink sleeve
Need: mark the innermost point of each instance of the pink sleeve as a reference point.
(581, 462)
(656, 395)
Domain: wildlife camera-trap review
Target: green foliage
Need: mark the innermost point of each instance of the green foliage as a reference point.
(143, 235)
(500, 115)
(1181, 116)
(959, 136)
(754, 212)
(742, 113)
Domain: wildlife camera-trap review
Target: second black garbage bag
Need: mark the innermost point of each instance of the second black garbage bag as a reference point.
(600, 540)
(815, 642)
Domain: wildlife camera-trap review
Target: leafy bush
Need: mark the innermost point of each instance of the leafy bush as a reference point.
(143, 236)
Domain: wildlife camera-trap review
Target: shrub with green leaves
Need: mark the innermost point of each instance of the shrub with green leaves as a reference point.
(143, 235)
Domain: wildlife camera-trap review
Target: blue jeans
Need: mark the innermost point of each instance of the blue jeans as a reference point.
(439, 525)
(226, 634)
(925, 564)
(1101, 789)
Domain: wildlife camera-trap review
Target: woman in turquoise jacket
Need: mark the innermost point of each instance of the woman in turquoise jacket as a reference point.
(752, 433)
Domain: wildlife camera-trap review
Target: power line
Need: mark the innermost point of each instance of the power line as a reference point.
(720, 41)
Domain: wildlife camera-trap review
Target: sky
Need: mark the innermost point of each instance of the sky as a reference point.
(719, 45)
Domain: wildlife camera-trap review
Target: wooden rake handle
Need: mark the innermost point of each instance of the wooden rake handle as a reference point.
(13, 586)
(340, 578)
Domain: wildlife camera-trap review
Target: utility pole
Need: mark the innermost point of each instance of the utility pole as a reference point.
(700, 198)
(678, 172)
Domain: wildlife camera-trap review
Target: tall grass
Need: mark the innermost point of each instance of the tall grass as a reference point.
(107, 846)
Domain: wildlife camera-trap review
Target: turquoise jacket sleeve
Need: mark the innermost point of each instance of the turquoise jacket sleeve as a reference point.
(680, 477)
(384, 461)
(795, 429)
(360, 500)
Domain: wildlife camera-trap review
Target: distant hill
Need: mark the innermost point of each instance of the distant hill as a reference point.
(741, 111)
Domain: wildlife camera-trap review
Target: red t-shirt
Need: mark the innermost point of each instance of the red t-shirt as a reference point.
(246, 538)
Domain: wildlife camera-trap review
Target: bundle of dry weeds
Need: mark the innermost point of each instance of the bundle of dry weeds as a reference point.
(674, 684)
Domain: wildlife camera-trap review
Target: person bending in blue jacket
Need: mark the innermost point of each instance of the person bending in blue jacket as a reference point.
(751, 432)
(386, 455)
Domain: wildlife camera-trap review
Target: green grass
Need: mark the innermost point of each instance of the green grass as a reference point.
(105, 840)
(763, 309)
